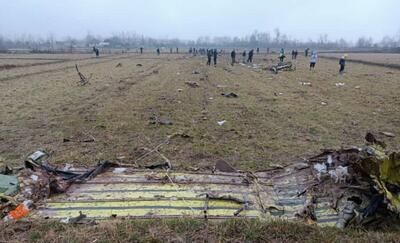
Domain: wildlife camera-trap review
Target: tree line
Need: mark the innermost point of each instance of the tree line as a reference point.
(128, 40)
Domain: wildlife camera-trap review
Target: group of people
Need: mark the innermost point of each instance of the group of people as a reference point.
(244, 54)
(313, 58)
(212, 54)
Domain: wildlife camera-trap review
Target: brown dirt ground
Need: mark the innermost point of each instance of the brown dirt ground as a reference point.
(275, 120)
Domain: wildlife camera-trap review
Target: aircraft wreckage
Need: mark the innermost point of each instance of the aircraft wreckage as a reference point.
(355, 186)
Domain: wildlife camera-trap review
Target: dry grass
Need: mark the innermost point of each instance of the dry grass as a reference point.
(185, 230)
(40, 110)
(275, 120)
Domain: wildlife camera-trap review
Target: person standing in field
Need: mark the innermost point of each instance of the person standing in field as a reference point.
(306, 52)
(141, 50)
(233, 57)
(282, 55)
(295, 54)
(342, 63)
(209, 54)
(158, 51)
(313, 60)
(250, 59)
(258, 50)
(244, 56)
(215, 55)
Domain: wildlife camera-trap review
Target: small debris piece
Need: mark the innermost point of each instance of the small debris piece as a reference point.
(139, 65)
(339, 84)
(230, 95)
(8, 185)
(83, 80)
(192, 84)
(119, 170)
(77, 219)
(20, 212)
(119, 65)
(164, 165)
(195, 72)
(388, 134)
(224, 166)
(155, 71)
(305, 83)
(221, 122)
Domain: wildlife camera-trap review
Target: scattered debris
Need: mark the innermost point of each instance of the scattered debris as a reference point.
(323, 103)
(305, 83)
(357, 87)
(83, 80)
(221, 86)
(180, 90)
(195, 72)
(139, 65)
(119, 65)
(230, 95)
(192, 84)
(221, 122)
(155, 71)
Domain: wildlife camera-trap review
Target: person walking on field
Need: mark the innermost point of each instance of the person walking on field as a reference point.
(233, 57)
(250, 59)
(313, 60)
(342, 63)
(215, 54)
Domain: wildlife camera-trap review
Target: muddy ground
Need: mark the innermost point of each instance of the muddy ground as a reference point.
(275, 120)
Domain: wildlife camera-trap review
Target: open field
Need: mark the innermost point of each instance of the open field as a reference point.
(275, 120)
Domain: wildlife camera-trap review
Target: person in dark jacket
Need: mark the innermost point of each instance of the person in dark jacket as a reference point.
(250, 59)
(158, 51)
(342, 63)
(209, 54)
(141, 50)
(215, 55)
(233, 57)
(244, 56)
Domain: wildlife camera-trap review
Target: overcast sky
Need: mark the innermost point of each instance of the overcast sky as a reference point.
(188, 19)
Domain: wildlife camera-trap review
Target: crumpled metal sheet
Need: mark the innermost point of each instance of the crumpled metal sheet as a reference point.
(150, 194)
